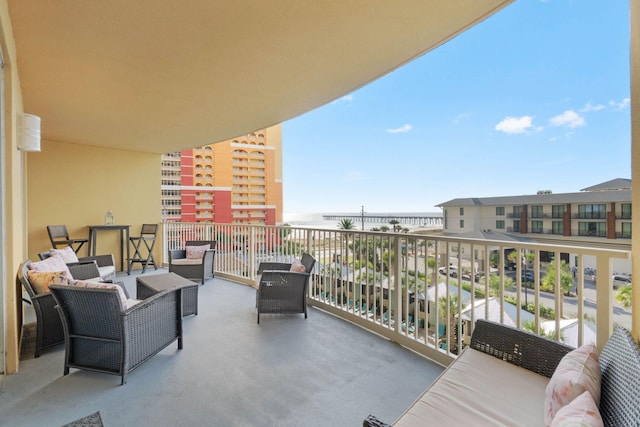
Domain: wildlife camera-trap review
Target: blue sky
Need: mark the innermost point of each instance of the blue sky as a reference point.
(534, 98)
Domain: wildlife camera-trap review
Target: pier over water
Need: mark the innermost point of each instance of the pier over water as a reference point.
(420, 220)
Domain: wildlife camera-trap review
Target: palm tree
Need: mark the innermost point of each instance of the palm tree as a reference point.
(396, 225)
(346, 224)
(452, 308)
(623, 296)
(566, 279)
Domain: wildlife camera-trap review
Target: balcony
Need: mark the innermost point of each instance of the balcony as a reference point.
(394, 277)
(328, 368)
(231, 372)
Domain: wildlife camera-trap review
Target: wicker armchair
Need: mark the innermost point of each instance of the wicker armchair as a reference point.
(193, 269)
(99, 336)
(105, 264)
(48, 326)
(49, 330)
(283, 291)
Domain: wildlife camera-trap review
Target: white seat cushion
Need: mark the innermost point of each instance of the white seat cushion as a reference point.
(186, 261)
(107, 272)
(480, 390)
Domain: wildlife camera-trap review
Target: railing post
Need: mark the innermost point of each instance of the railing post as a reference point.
(253, 245)
(397, 284)
(604, 304)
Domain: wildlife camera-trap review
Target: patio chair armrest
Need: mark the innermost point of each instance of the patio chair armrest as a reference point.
(276, 266)
(372, 421)
(177, 254)
(84, 270)
(101, 260)
(518, 347)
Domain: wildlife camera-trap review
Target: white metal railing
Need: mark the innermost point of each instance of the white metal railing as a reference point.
(402, 286)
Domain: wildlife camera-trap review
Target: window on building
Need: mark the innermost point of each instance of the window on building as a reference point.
(517, 211)
(536, 211)
(462, 223)
(461, 211)
(626, 210)
(626, 230)
(499, 210)
(557, 211)
(516, 225)
(499, 224)
(536, 227)
(557, 227)
(598, 211)
(592, 229)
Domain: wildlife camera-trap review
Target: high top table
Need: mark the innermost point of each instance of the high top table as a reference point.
(124, 239)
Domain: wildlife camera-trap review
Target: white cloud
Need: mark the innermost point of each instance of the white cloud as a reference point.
(346, 98)
(569, 118)
(522, 124)
(587, 108)
(402, 129)
(620, 105)
(460, 117)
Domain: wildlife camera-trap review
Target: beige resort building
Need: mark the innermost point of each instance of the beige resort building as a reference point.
(598, 216)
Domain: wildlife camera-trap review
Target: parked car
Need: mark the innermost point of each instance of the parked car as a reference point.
(528, 276)
(620, 280)
(453, 271)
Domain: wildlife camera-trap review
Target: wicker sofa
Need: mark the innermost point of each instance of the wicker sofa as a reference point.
(100, 336)
(49, 331)
(105, 263)
(500, 380)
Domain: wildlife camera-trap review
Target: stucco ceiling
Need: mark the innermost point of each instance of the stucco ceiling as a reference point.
(163, 75)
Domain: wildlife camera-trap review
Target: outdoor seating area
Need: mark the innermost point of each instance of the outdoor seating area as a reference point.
(281, 371)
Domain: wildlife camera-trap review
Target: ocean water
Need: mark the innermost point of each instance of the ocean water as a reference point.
(315, 219)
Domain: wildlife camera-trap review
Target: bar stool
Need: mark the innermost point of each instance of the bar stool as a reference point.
(141, 244)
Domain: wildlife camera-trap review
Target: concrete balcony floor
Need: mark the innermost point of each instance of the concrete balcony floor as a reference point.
(287, 371)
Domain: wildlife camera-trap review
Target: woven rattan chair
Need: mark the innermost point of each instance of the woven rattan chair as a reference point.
(193, 269)
(49, 330)
(283, 291)
(59, 237)
(105, 264)
(99, 336)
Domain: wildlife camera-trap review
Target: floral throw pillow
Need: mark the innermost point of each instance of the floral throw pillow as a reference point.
(196, 252)
(41, 280)
(298, 267)
(67, 254)
(577, 372)
(53, 263)
(582, 411)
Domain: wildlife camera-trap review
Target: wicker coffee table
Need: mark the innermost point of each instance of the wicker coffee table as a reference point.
(151, 284)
